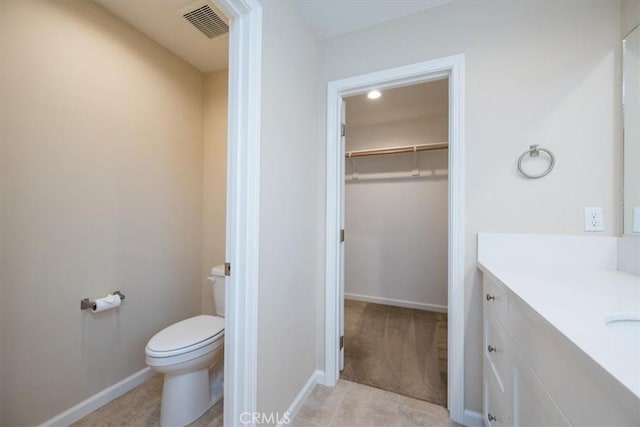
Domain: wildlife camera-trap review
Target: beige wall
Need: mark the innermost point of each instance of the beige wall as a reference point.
(215, 180)
(537, 72)
(423, 130)
(101, 182)
(289, 211)
(629, 16)
(395, 224)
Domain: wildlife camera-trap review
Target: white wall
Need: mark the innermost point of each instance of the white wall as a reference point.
(629, 16)
(629, 19)
(537, 72)
(631, 180)
(290, 208)
(215, 180)
(417, 131)
(101, 186)
(395, 224)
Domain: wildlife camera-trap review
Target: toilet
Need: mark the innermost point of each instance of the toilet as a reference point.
(184, 352)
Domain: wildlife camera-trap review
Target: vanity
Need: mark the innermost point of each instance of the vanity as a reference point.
(561, 315)
(561, 331)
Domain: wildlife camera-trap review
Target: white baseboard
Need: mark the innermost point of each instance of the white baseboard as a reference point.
(302, 396)
(321, 378)
(89, 405)
(473, 419)
(397, 302)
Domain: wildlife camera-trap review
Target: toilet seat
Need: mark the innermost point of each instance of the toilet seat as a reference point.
(202, 332)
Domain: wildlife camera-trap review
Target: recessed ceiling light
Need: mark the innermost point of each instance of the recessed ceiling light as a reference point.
(374, 94)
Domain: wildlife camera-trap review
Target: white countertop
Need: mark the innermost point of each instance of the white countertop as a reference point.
(576, 300)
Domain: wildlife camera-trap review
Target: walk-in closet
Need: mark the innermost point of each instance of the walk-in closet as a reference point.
(396, 234)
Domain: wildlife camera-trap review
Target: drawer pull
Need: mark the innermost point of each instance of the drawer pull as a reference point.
(491, 417)
(491, 349)
(490, 297)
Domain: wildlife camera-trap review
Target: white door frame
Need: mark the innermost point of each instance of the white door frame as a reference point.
(243, 207)
(453, 67)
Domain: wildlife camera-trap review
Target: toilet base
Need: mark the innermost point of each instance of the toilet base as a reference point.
(185, 397)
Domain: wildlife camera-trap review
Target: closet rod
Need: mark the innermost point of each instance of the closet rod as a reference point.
(396, 150)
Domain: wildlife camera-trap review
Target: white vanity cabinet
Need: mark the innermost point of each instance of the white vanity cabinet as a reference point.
(513, 395)
(532, 404)
(552, 354)
(535, 376)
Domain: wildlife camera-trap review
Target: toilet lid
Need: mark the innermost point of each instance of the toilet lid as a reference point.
(193, 332)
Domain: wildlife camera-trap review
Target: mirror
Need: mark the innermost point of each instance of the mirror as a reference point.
(631, 131)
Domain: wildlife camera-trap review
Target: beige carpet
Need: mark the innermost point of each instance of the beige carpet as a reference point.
(397, 349)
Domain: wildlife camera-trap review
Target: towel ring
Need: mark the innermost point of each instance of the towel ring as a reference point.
(534, 151)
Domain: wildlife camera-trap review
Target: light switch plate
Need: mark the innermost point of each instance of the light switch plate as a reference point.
(635, 220)
(593, 219)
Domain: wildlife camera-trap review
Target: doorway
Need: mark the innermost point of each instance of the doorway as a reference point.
(242, 178)
(395, 274)
(451, 68)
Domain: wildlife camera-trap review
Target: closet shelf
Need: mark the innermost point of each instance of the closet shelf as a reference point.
(397, 150)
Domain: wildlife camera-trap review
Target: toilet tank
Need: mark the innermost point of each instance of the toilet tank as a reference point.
(218, 279)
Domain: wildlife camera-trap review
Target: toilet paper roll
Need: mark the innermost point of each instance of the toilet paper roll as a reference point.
(106, 303)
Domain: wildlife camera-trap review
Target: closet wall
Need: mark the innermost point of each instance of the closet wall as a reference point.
(396, 223)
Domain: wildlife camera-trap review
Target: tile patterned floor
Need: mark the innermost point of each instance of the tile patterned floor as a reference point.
(140, 407)
(351, 404)
(347, 405)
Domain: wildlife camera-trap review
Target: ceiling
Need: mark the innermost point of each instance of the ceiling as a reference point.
(162, 21)
(335, 17)
(429, 99)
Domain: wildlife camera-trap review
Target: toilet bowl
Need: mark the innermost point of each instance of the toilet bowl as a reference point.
(184, 352)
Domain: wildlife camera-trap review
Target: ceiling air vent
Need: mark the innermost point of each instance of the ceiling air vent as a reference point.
(207, 21)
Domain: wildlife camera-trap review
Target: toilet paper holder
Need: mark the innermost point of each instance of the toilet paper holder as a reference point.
(87, 303)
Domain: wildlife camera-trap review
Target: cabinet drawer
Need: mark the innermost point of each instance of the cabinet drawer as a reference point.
(495, 299)
(495, 401)
(495, 349)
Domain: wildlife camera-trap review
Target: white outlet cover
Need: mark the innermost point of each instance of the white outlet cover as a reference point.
(593, 219)
(635, 220)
